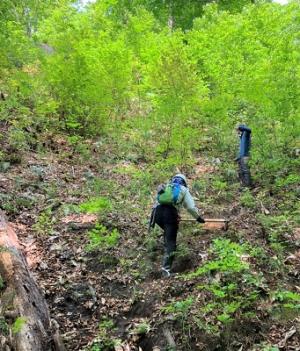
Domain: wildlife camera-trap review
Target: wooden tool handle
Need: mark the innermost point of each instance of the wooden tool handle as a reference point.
(215, 220)
(207, 220)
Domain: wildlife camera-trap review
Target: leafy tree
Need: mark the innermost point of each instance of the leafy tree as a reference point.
(93, 68)
(177, 13)
(177, 96)
(250, 62)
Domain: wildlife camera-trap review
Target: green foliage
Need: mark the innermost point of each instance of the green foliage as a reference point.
(96, 205)
(247, 199)
(219, 185)
(99, 185)
(227, 299)
(180, 311)
(228, 272)
(245, 86)
(106, 324)
(228, 258)
(291, 179)
(274, 227)
(45, 222)
(104, 341)
(177, 93)
(67, 209)
(287, 299)
(152, 242)
(142, 328)
(178, 14)
(18, 324)
(101, 238)
(181, 307)
(4, 329)
(119, 68)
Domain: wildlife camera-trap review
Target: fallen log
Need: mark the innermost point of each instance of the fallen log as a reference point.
(22, 303)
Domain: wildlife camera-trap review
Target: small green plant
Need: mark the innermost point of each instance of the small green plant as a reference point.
(142, 328)
(44, 223)
(101, 238)
(83, 150)
(228, 258)
(18, 139)
(104, 341)
(182, 251)
(209, 328)
(228, 310)
(247, 199)
(98, 185)
(106, 324)
(96, 205)
(274, 226)
(219, 185)
(291, 179)
(226, 273)
(179, 308)
(4, 329)
(288, 299)
(18, 324)
(152, 243)
(180, 311)
(222, 291)
(2, 156)
(74, 139)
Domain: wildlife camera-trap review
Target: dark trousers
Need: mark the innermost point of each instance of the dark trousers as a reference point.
(167, 218)
(244, 171)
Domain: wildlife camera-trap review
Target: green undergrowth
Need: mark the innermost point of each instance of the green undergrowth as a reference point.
(96, 205)
(104, 341)
(102, 238)
(244, 274)
(232, 286)
(228, 288)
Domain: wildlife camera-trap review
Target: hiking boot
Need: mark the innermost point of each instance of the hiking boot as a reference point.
(166, 272)
(167, 261)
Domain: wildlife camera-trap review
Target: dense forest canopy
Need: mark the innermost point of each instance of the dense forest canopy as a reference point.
(168, 67)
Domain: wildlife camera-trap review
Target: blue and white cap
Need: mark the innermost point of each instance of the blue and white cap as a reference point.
(180, 179)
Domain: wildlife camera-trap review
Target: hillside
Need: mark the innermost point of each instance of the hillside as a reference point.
(103, 101)
(234, 289)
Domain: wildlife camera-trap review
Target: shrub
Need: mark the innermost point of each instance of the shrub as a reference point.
(101, 238)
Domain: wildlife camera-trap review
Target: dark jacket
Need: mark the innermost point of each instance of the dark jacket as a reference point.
(245, 141)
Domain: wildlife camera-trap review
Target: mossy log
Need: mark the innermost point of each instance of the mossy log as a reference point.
(22, 303)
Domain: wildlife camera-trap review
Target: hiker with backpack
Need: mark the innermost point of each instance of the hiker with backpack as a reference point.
(243, 156)
(170, 198)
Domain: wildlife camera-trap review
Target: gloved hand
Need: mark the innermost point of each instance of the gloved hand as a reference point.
(200, 220)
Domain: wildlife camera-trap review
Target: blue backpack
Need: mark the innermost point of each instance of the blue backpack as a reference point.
(169, 194)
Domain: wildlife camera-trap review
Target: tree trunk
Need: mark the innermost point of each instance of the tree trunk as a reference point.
(21, 299)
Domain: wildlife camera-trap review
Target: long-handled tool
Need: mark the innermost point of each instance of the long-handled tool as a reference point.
(211, 223)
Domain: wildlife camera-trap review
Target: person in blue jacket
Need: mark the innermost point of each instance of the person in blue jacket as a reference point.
(243, 156)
